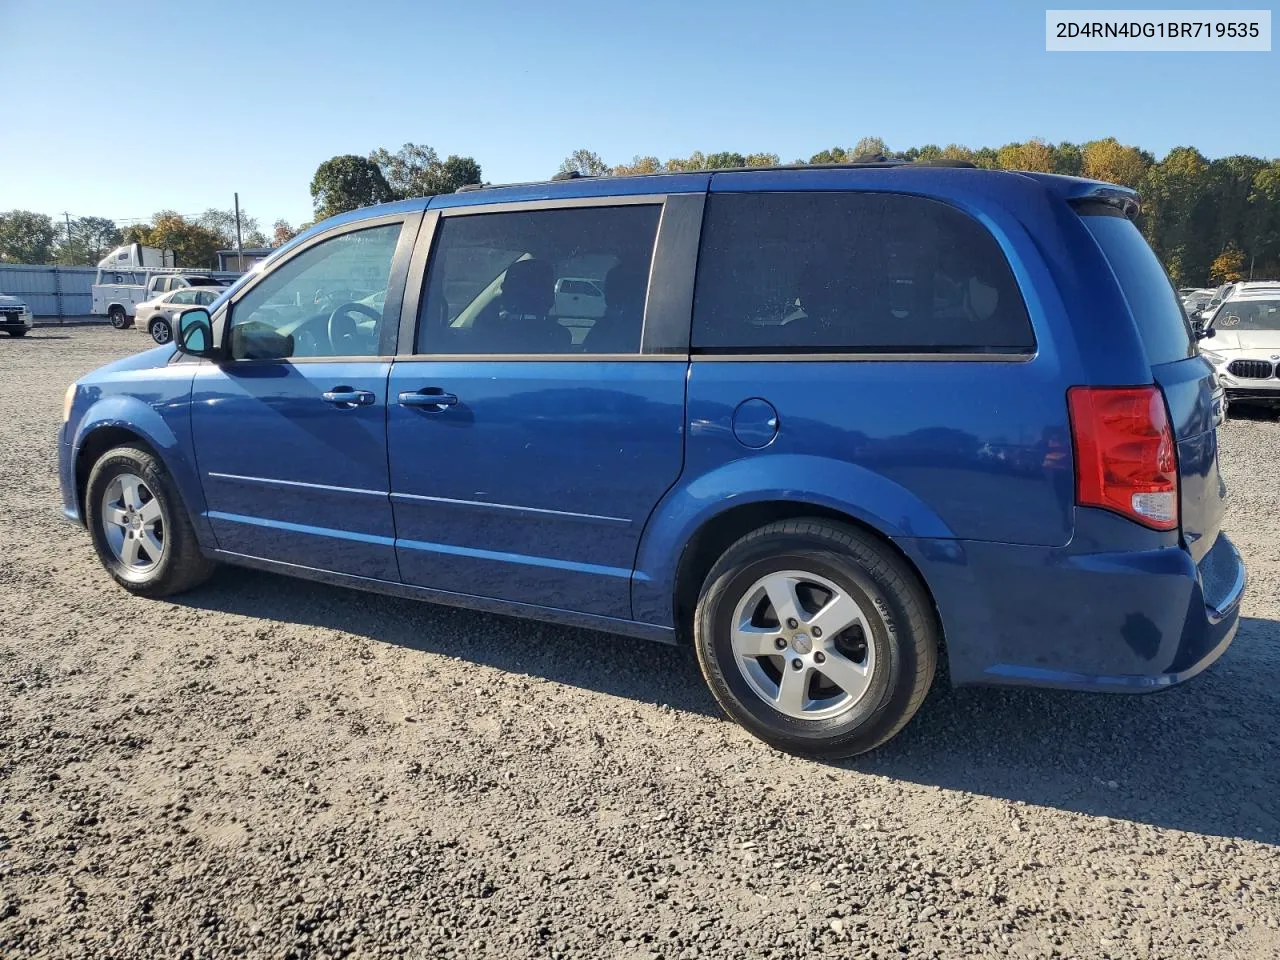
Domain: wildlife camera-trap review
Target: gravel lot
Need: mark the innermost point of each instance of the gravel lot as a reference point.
(271, 768)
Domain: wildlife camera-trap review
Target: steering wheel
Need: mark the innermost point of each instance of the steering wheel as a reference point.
(342, 329)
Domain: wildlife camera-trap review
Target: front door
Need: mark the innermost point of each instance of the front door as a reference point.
(528, 445)
(290, 432)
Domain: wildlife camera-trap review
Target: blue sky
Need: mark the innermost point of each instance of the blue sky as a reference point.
(120, 111)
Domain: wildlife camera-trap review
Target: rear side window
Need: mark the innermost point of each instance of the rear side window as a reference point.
(539, 282)
(1147, 289)
(852, 272)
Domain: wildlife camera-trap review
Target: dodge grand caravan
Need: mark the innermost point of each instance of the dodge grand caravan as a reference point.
(827, 422)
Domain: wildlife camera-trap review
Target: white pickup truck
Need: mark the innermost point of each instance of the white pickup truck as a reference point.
(132, 274)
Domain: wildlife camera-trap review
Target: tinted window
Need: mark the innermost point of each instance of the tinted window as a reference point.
(1147, 289)
(183, 296)
(514, 282)
(1248, 315)
(858, 272)
(305, 306)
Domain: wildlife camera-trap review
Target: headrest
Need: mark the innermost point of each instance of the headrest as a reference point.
(529, 288)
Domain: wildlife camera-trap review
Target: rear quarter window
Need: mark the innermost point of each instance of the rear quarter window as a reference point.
(852, 273)
(1150, 294)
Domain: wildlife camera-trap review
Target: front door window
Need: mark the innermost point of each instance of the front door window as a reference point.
(325, 302)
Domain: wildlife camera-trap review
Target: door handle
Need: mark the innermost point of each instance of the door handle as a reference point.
(347, 398)
(428, 398)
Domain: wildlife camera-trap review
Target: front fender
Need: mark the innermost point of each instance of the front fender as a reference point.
(162, 422)
(793, 478)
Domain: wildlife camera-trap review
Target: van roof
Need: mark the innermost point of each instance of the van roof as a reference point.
(920, 176)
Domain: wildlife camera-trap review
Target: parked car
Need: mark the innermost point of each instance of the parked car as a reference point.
(157, 316)
(1245, 345)
(1226, 291)
(118, 291)
(15, 316)
(942, 441)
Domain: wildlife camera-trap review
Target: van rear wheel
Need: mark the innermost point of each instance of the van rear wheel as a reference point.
(816, 637)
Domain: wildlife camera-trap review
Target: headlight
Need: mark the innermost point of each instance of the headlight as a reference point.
(1214, 358)
(67, 401)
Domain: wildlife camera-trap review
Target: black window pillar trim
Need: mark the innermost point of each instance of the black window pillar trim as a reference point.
(668, 310)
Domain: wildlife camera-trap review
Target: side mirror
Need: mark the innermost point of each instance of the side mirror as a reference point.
(195, 333)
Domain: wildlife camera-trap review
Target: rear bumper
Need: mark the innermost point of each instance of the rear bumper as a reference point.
(1127, 622)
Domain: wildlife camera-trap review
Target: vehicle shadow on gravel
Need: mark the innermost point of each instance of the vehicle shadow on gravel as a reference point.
(1203, 757)
(620, 666)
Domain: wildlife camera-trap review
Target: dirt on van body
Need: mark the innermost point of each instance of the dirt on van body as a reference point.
(271, 768)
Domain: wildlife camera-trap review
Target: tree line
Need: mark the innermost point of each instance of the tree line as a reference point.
(1210, 221)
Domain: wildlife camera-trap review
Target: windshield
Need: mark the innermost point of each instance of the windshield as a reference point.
(1248, 315)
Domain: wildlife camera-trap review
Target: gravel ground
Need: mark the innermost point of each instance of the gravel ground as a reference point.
(271, 768)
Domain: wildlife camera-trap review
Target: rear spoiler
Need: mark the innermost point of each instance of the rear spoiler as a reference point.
(1107, 198)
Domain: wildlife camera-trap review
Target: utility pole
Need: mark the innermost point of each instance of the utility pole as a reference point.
(239, 246)
(68, 216)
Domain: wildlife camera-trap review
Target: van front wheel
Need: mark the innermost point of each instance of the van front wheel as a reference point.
(816, 637)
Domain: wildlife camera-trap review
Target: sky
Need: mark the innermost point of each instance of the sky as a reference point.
(123, 110)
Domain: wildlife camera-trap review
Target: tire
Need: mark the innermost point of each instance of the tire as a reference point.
(885, 656)
(18, 332)
(178, 564)
(160, 331)
(119, 319)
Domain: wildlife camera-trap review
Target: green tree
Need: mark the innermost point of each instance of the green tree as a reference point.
(223, 224)
(1113, 162)
(985, 157)
(91, 239)
(1034, 155)
(1228, 266)
(136, 233)
(638, 165)
(1067, 159)
(1264, 202)
(869, 147)
(193, 245)
(416, 170)
(1178, 210)
(282, 233)
(26, 237)
(347, 182)
(832, 155)
(725, 160)
(585, 163)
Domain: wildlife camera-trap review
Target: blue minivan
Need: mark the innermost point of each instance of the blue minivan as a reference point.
(825, 423)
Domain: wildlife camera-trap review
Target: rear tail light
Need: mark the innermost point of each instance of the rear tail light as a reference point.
(1126, 459)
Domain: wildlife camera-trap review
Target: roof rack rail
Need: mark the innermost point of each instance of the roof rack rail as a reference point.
(863, 162)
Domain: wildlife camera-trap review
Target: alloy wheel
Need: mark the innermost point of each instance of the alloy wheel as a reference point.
(133, 523)
(803, 645)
